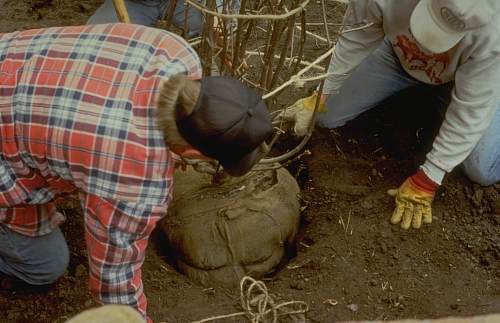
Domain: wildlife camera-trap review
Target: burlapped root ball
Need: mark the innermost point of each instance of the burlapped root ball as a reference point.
(218, 233)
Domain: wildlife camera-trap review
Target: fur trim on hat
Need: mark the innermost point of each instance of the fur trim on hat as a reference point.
(178, 97)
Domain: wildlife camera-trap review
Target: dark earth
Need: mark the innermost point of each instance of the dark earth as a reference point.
(351, 263)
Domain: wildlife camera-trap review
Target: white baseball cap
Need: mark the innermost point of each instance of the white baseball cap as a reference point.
(438, 25)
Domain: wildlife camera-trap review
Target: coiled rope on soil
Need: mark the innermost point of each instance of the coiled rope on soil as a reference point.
(259, 306)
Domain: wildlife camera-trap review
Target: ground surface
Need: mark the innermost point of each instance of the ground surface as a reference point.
(351, 262)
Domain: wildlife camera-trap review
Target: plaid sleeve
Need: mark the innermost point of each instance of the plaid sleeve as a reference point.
(117, 235)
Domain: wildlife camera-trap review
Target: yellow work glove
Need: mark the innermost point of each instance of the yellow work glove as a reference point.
(301, 113)
(414, 201)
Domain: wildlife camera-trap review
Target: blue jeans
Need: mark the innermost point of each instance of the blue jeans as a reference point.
(35, 260)
(381, 76)
(147, 12)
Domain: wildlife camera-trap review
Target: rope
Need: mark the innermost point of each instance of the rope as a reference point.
(295, 77)
(249, 17)
(296, 80)
(259, 306)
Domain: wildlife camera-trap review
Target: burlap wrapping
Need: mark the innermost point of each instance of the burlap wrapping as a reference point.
(217, 234)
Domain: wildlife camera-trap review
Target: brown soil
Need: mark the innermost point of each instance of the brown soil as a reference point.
(348, 253)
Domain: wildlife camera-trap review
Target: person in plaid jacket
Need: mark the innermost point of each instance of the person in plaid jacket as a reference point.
(98, 110)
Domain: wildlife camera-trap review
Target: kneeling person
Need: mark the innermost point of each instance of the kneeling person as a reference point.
(99, 110)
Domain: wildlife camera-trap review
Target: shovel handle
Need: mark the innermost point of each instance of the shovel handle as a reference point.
(121, 11)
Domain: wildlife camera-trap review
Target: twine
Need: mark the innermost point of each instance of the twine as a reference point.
(259, 306)
(295, 77)
(204, 9)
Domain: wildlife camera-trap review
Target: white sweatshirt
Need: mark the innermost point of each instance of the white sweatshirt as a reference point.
(474, 65)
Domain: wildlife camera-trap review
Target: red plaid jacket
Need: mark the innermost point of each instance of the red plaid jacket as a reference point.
(77, 111)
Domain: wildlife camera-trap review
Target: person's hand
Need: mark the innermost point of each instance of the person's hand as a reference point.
(414, 201)
(301, 113)
(178, 162)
